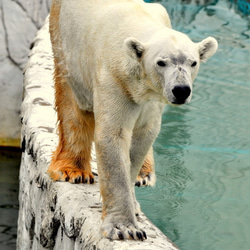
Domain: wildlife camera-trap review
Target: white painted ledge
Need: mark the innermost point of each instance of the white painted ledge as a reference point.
(58, 215)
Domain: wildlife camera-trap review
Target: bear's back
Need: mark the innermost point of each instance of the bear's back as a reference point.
(93, 33)
(98, 19)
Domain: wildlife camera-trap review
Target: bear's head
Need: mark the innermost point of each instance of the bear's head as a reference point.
(170, 61)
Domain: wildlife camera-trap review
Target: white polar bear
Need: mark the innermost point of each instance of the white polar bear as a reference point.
(117, 63)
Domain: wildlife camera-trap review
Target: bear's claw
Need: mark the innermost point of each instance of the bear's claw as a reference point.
(120, 232)
(70, 174)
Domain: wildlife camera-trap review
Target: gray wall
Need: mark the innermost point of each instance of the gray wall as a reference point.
(19, 22)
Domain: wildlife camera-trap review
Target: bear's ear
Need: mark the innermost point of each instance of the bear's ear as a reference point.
(207, 48)
(134, 48)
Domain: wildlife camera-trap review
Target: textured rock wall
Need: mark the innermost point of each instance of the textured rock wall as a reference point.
(19, 22)
(59, 215)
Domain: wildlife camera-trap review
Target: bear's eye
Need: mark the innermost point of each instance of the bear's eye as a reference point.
(194, 64)
(161, 63)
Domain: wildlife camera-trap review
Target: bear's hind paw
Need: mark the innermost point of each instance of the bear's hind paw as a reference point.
(78, 176)
(70, 174)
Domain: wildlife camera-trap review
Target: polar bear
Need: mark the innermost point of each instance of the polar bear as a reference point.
(117, 64)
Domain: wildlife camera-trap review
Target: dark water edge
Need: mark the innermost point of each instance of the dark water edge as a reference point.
(10, 159)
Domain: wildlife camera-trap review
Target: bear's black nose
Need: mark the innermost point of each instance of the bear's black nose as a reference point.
(181, 93)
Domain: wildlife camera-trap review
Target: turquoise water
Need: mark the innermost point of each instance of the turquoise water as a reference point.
(202, 196)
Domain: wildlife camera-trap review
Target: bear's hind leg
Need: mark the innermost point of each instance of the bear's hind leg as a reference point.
(71, 160)
(146, 176)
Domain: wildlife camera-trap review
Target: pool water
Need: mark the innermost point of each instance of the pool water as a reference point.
(202, 196)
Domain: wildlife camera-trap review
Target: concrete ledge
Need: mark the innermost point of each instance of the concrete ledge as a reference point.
(58, 215)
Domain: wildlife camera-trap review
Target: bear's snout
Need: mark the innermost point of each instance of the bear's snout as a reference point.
(181, 93)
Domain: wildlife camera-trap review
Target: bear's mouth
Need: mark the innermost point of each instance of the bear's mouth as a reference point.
(178, 102)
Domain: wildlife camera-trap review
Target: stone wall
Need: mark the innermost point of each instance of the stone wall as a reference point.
(59, 215)
(19, 22)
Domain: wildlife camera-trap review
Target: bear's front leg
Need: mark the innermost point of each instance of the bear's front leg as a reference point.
(113, 133)
(145, 131)
(119, 220)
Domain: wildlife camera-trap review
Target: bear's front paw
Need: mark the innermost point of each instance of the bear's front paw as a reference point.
(147, 179)
(121, 232)
(59, 171)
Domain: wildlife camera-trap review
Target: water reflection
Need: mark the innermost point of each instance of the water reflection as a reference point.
(172, 173)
